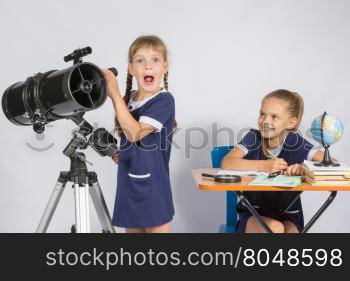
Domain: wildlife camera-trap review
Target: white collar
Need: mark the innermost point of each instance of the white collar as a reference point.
(132, 105)
(276, 151)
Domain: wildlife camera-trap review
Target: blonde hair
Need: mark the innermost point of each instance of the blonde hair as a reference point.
(148, 41)
(295, 108)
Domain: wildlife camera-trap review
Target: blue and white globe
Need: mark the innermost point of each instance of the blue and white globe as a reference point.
(332, 129)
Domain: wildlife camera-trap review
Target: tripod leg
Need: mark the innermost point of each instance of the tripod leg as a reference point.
(100, 204)
(52, 204)
(82, 217)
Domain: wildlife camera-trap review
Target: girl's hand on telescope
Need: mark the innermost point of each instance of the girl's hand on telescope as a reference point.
(113, 86)
(115, 158)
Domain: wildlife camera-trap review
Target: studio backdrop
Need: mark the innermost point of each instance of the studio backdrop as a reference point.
(224, 57)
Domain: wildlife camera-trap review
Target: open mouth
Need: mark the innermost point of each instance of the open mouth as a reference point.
(148, 78)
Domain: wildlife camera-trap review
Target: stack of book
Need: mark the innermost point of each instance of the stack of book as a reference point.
(315, 175)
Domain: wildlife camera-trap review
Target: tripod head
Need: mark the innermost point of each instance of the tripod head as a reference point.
(100, 139)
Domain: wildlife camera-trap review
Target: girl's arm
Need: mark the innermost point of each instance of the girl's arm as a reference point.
(133, 130)
(234, 161)
(318, 156)
(298, 170)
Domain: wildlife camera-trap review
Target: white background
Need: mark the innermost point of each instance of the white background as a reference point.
(225, 56)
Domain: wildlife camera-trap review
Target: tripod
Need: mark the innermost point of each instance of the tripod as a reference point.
(84, 182)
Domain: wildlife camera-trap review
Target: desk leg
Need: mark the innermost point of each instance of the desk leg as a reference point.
(320, 211)
(292, 202)
(253, 211)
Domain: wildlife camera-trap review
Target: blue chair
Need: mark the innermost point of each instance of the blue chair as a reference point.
(217, 154)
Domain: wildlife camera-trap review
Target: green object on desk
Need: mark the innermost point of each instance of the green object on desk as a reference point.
(284, 181)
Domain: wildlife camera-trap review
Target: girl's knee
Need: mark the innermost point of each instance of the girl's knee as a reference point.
(164, 228)
(290, 227)
(276, 226)
(134, 230)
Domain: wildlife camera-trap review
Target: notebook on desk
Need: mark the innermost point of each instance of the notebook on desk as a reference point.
(241, 173)
(283, 181)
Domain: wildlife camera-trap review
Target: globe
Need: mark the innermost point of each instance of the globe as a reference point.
(331, 127)
(327, 129)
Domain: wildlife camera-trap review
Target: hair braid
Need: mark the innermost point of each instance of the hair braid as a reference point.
(166, 85)
(126, 99)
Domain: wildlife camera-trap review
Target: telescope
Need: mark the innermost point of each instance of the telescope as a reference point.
(62, 94)
(68, 94)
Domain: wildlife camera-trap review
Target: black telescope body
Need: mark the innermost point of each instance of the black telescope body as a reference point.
(54, 95)
(63, 94)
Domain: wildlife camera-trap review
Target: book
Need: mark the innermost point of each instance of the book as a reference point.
(327, 182)
(311, 170)
(329, 177)
(283, 181)
(311, 166)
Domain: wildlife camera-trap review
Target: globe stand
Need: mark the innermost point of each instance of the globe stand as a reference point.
(326, 162)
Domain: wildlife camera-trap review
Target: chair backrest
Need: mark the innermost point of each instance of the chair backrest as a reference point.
(217, 154)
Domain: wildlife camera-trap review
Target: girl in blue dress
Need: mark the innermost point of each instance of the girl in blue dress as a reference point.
(276, 146)
(145, 120)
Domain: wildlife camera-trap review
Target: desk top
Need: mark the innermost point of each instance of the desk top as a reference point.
(211, 185)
